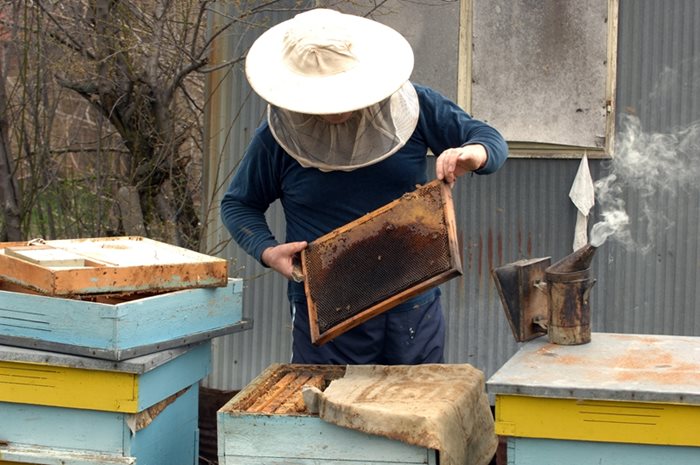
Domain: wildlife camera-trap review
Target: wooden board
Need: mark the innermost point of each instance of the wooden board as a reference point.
(47, 256)
(110, 265)
(279, 386)
(119, 327)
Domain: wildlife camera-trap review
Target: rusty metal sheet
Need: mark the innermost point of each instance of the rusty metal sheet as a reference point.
(107, 265)
(632, 367)
(523, 297)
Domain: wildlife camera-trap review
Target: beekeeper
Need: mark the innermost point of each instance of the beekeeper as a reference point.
(346, 133)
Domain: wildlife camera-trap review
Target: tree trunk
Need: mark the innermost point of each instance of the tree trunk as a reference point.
(130, 211)
(9, 189)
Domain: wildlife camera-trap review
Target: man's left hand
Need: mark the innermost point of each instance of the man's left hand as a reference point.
(453, 163)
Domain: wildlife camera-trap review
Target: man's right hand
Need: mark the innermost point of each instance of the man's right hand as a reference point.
(281, 257)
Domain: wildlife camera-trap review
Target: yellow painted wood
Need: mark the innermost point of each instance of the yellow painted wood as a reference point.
(29, 383)
(598, 420)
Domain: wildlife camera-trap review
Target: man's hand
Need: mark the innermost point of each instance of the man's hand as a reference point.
(453, 163)
(281, 257)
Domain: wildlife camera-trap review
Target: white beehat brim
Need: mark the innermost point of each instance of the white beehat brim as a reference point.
(384, 62)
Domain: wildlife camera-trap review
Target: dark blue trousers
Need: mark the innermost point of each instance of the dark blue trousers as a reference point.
(409, 334)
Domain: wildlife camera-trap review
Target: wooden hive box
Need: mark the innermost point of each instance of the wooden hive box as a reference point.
(118, 327)
(624, 399)
(107, 265)
(63, 409)
(267, 423)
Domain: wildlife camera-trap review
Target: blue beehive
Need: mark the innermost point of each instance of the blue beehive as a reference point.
(131, 297)
(67, 409)
(117, 328)
(107, 341)
(266, 423)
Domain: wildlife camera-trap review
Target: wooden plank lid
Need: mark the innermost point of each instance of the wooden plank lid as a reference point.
(107, 265)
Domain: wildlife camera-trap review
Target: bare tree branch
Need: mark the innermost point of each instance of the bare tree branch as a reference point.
(66, 39)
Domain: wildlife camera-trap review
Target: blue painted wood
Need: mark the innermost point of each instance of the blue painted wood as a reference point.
(54, 427)
(432, 460)
(55, 319)
(257, 439)
(167, 379)
(527, 451)
(185, 312)
(173, 437)
(11, 454)
(49, 435)
(123, 330)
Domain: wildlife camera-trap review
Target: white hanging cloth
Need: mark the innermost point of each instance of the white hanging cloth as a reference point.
(582, 194)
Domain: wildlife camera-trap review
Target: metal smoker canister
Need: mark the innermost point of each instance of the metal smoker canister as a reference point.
(569, 306)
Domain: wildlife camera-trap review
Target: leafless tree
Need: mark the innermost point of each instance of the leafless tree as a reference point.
(137, 66)
(131, 61)
(8, 182)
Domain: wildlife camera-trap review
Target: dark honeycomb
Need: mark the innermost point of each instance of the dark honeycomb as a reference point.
(357, 268)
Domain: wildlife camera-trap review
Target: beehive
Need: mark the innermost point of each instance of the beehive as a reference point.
(266, 423)
(67, 409)
(114, 298)
(124, 327)
(118, 327)
(622, 398)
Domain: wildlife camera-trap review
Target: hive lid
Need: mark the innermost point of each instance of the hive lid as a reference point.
(380, 260)
(137, 365)
(628, 367)
(107, 265)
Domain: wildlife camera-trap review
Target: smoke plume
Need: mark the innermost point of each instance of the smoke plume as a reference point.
(644, 165)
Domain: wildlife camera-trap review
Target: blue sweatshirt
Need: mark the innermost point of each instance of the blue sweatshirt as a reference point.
(316, 202)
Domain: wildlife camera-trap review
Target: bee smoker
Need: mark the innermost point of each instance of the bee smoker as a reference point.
(542, 298)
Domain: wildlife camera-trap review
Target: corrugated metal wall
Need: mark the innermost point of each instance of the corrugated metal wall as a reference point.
(655, 289)
(233, 114)
(521, 211)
